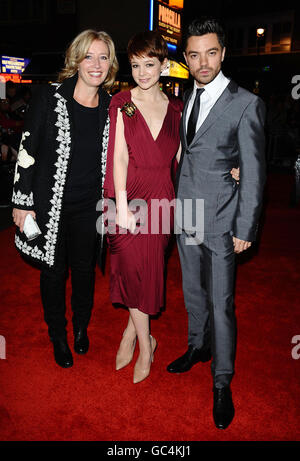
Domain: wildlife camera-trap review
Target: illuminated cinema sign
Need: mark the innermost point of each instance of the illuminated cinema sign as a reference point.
(165, 16)
(169, 24)
(174, 3)
(178, 70)
(12, 65)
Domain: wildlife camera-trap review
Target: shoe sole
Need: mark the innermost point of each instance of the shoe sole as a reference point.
(80, 352)
(64, 366)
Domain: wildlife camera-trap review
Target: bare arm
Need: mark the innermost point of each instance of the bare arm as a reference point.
(124, 217)
(178, 155)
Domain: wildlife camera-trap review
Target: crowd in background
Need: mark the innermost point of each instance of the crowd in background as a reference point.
(283, 139)
(283, 130)
(12, 112)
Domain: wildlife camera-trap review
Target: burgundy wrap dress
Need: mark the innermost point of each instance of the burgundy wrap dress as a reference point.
(137, 261)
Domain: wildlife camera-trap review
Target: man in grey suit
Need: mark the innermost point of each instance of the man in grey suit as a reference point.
(222, 127)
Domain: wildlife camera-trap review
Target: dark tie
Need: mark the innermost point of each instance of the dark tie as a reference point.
(191, 129)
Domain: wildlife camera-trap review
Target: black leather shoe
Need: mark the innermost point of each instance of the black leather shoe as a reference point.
(186, 361)
(62, 353)
(81, 341)
(223, 411)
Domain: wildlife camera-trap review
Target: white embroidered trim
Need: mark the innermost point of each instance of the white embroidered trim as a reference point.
(103, 166)
(22, 199)
(34, 252)
(104, 149)
(63, 151)
(24, 159)
(17, 175)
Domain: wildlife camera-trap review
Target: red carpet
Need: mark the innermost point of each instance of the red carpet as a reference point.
(91, 401)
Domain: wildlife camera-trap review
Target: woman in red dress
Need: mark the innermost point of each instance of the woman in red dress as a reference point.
(143, 142)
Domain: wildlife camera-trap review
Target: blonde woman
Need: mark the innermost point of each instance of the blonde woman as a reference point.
(58, 180)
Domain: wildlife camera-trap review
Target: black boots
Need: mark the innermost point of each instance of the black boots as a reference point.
(81, 341)
(62, 353)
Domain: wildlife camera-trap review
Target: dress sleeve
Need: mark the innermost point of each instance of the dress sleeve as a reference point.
(33, 127)
(178, 106)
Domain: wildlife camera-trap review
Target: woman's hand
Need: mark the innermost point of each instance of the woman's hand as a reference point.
(126, 219)
(19, 217)
(235, 173)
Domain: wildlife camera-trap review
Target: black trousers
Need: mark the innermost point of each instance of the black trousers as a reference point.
(77, 251)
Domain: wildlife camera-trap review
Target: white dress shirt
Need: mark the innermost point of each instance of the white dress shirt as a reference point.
(212, 92)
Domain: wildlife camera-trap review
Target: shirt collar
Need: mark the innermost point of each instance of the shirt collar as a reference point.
(212, 87)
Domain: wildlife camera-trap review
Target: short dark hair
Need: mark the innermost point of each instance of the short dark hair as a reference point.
(205, 25)
(149, 43)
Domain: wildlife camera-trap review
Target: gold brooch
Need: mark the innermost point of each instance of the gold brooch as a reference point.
(129, 108)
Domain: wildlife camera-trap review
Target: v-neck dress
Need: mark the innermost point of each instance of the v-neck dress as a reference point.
(137, 261)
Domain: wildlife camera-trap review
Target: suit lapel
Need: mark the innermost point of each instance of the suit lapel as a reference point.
(221, 105)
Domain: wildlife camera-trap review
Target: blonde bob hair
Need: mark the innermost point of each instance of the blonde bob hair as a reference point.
(78, 49)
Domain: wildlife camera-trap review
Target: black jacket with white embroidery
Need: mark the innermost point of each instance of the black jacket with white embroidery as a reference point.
(43, 164)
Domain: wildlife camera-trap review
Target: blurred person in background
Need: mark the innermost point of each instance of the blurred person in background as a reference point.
(11, 91)
(21, 104)
(7, 121)
(10, 131)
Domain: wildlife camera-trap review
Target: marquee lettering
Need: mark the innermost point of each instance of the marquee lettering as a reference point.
(169, 17)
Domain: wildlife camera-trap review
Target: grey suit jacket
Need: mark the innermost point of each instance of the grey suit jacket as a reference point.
(232, 135)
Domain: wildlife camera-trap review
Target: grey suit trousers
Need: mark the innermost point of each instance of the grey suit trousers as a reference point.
(208, 272)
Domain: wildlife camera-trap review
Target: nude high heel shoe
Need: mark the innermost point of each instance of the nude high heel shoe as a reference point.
(123, 357)
(139, 373)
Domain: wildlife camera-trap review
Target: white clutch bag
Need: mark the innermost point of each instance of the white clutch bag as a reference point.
(31, 229)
